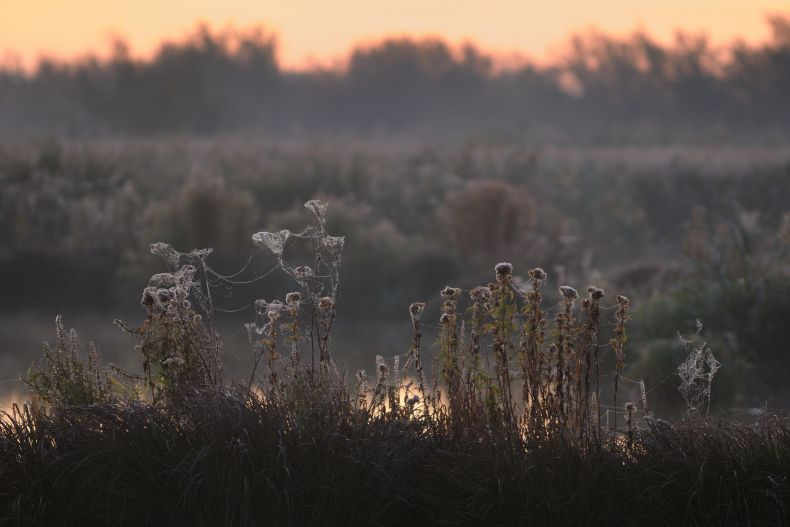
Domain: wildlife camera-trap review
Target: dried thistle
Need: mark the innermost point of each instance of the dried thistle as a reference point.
(596, 293)
(451, 293)
(293, 299)
(303, 272)
(504, 272)
(416, 310)
(537, 274)
(326, 303)
(569, 293)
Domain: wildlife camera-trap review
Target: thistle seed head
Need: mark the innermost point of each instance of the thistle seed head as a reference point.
(381, 365)
(480, 294)
(415, 310)
(275, 309)
(538, 274)
(326, 303)
(149, 297)
(451, 293)
(596, 293)
(302, 272)
(504, 271)
(293, 299)
(164, 295)
(569, 292)
(162, 280)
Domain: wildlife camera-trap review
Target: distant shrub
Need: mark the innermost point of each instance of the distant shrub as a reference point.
(737, 283)
(486, 218)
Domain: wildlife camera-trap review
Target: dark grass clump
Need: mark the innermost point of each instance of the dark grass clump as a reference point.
(225, 459)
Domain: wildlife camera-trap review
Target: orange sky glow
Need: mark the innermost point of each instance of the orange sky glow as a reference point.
(322, 31)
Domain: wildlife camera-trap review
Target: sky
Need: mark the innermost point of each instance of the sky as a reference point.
(323, 31)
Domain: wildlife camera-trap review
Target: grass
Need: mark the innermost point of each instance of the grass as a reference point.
(507, 429)
(222, 459)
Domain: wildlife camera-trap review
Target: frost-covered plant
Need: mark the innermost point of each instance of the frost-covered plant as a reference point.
(589, 359)
(531, 358)
(617, 342)
(319, 285)
(415, 354)
(483, 352)
(181, 354)
(62, 378)
(566, 352)
(502, 328)
(448, 344)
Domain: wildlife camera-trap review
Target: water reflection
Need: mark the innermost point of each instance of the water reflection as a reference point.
(21, 335)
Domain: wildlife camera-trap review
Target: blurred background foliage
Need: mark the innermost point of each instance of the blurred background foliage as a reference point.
(601, 89)
(687, 233)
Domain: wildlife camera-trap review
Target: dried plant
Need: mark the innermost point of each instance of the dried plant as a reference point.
(62, 378)
(617, 343)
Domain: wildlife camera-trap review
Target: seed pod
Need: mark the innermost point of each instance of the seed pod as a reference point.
(415, 310)
(538, 274)
(480, 294)
(149, 297)
(569, 292)
(504, 271)
(293, 299)
(596, 293)
(450, 293)
(302, 272)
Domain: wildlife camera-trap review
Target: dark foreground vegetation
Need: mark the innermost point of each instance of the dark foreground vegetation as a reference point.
(516, 415)
(220, 459)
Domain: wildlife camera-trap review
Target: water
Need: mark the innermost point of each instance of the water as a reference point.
(21, 335)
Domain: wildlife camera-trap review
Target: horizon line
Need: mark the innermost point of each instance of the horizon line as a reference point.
(502, 59)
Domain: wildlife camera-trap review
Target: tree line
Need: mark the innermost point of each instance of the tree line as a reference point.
(602, 88)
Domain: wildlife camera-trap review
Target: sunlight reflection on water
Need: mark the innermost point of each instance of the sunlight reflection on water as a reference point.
(21, 335)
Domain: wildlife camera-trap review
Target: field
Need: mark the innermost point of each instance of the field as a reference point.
(506, 402)
(416, 287)
(688, 232)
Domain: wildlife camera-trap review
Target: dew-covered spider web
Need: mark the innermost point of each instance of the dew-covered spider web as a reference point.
(696, 373)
